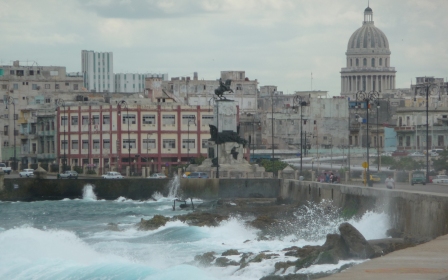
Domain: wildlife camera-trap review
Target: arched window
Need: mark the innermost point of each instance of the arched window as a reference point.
(386, 63)
(381, 61)
(364, 62)
(357, 62)
(351, 62)
(373, 62)
(400, 121)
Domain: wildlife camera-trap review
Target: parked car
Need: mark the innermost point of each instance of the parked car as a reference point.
(112, 175)
(26, 173)
(399, 153)
(386, 154)
(373, 178)
(5, 168)
(434, 154)
(198, 175)
(437, 151)
(416, 154)
(440, 179)
(68, 175)
(418, 177)
(157, 176)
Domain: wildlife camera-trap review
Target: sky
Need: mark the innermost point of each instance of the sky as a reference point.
(277, 42)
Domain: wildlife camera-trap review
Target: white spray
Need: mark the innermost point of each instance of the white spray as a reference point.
(88, 193)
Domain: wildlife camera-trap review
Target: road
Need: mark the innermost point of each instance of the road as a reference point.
(431, 188)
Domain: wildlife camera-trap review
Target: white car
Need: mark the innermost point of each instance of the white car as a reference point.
(26, 173)
(112, 175)
(157, 176)
(440, 179)
(416, 154)
(434, 154)
(386, 154)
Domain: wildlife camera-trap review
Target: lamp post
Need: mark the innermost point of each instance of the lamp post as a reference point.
(61, 103)
(125, 104)
(193, 120)
(299, 102)
(10, 101)
(377, 134)
(272, 122)
(217, 139)
(424, 87)
(367, 97)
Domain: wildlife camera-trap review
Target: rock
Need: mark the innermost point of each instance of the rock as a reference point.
(201, 219)
(388, 245)
(394, 233)
(230, 252)
(154, 223)
(301, 252)
(223, 262)
(263, 222)
(358, 247)
(113, 227)
(336, 248)
(283, 266)
(205, 259)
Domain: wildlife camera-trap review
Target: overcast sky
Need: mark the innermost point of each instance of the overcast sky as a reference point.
(278, 42)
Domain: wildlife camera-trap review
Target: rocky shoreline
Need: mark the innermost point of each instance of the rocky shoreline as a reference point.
(274, 218)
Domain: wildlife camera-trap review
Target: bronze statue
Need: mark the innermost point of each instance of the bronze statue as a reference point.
(225, 136)
(223, 87)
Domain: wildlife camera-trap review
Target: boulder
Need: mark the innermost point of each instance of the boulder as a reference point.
(201, 219)
(223, 262)
(230, 252)
(205, 259)
(357, 245)
(154, 223)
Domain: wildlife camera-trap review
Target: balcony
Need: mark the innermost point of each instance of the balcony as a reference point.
(405, 128)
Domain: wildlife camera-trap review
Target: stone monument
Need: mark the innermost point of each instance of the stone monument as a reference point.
(226, 147)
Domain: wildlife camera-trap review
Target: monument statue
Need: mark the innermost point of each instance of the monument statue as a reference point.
(225, 136)
(223, 87)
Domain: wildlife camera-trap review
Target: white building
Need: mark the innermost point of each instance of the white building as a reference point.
(134, 82)
(98, 71)
(368, 60)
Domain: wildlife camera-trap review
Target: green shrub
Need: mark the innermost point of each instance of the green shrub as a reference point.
(78, 169)
(91, 171)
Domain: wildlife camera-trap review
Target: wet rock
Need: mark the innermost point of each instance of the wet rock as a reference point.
(301, 252)
(223, 262)
(113, 227)
(357, 245)
(201, 219)
(205, 259)
(208, 204)
(388, 245)
(154, 223)
(394, 233)
(283, 266)
(263, 222)
(231, 252)
(335, 249)
(262, 256)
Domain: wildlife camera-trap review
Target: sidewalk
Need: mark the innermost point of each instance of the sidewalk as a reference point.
(425, 261)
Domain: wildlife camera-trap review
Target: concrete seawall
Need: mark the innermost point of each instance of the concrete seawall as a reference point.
(421, 215)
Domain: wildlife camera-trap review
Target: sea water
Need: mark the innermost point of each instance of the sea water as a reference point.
(74, 239)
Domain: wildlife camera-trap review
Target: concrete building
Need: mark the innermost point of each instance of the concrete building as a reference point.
(368, 60)
(134, 82)
(98, 71)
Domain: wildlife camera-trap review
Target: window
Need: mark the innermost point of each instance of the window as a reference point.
(373, 62)
(4, 87)
(408, 141)
(5, 130)
(149, 143)
(75, 87)
(85, 120)
(149, 119)
(96, 144)
(127, 142)
(11, 72)
(207, 119)
(364, 62)
(56, 86)
(31, 72)
(188, 143)
(19, 73)
(64, 144)
(381, 62)
(106, 119)
(95, 119)
(75, 120)
(168, 119)
(16, 116)
(357, 62)
(440, 141)
(47, 86)
(188, 118)
(400, 141)
(5, 143)
(204, 143)
(131, 119)
(67, 84)
(15, 86)
(75, 145)
(64, 120)
(34, 86)
(169, 143)
(106, 143)
(85, 144)
(239, 87)
(16, 132)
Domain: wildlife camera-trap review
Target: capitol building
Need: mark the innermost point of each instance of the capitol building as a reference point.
(368, 60)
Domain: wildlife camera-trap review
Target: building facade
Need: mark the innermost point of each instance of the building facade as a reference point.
(134, 82)
(98, 71)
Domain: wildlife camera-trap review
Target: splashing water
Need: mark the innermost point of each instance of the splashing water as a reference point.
(88, 193)
(174, 186)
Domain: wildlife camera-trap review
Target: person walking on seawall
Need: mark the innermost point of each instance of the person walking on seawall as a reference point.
(327, 178)
(390, 183)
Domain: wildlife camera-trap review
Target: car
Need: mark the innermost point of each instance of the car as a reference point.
(386, 154)
(440, 179)
(68, 175)
(198, 175)
(373, 178)
(399, 153)
(157, 176)
(416, 154)
(418, 177)
(434, 154)
(5, 168)
(26, 173)
(112, 175)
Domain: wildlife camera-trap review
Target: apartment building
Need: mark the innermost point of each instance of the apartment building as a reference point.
(98, 71)
(134, 82)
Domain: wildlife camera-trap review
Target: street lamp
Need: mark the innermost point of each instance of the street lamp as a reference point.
(61, 103)
(125, 104)
(272, 123)
(377, 134)
(299, 102)
(193, 120)
(424, 87)
(367, 97)
(10, 101)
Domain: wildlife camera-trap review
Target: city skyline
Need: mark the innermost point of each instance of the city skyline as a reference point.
(277, 42)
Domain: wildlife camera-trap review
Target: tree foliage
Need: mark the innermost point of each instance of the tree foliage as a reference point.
(273, 166)
(441, 163)
(385, 160)
(407, 164)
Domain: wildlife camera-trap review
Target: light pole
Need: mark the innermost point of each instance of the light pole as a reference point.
(272, 123)
(424, 87)
(367, 97)
(10, 101)
(217, 139)
(125, 104)
(377, 134)
(193, 120)
(61, 103)
(299, 102)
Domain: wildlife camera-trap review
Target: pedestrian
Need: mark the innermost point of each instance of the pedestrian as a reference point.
(390, 183)
(331, 177)
(327, 178)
